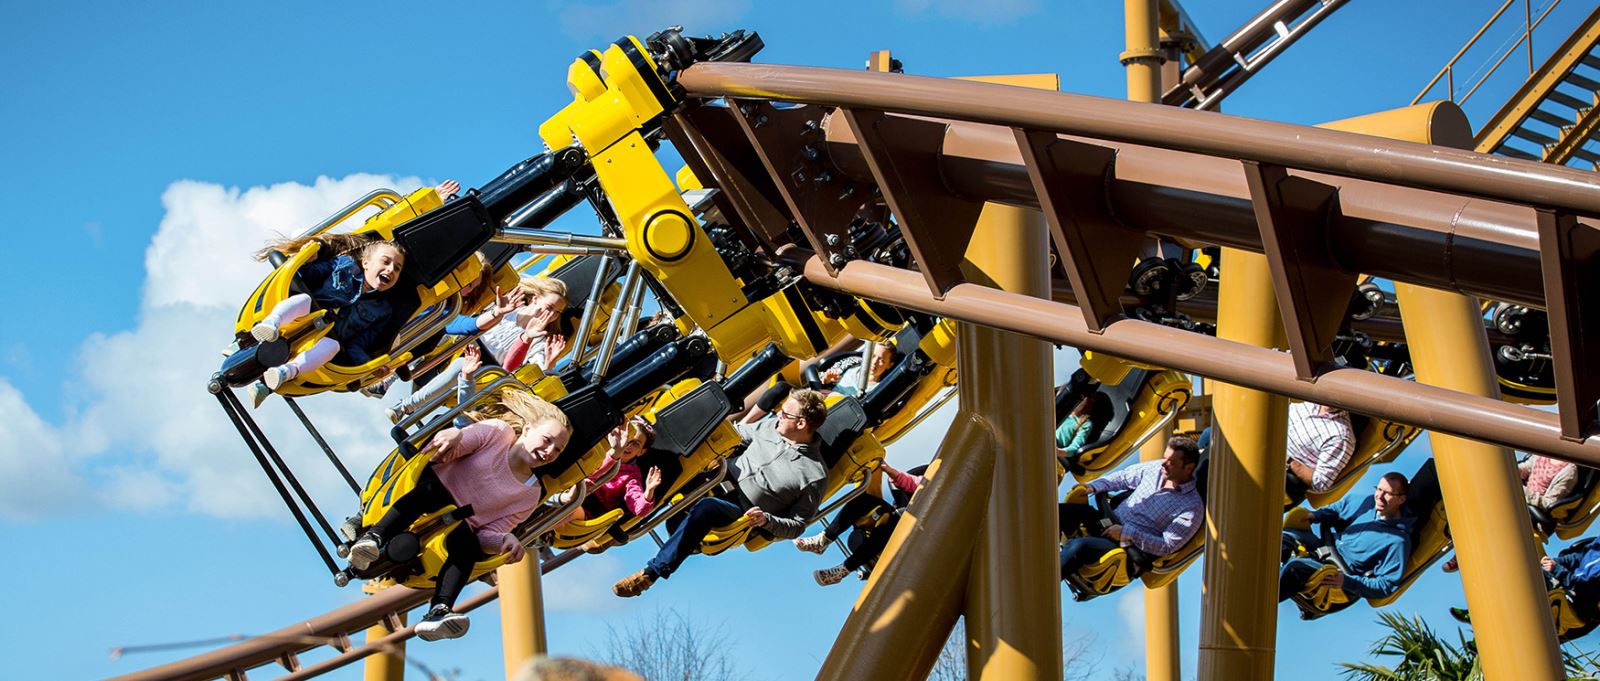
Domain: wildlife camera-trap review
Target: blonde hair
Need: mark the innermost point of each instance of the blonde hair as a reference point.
(333, 244)
(539, 286)
(812, 408)
(521, 409)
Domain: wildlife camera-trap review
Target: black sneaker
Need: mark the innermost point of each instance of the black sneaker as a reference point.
(441, 622)
(1461, 615)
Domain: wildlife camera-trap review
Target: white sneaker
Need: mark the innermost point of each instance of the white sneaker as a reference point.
(232, 348)
(258, 393)
(817, 544)
(394, 414)
(266, 330)
(831, 576)
(364, 551)
(276, 376)
(441, 622)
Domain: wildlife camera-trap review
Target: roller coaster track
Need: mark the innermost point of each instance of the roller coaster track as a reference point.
(1105, 173)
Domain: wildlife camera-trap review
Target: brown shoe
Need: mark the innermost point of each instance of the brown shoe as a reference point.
(633, 584)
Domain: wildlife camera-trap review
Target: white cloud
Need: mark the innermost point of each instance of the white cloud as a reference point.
(1130, 617)
(611, 20)
(586, 588)
(992, 13)
(141, 432)
(36, 478)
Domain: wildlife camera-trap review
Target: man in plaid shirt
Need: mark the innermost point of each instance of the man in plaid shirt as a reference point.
(1160, 516)
(1320, 443)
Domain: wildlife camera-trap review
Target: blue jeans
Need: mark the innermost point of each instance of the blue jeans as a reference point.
(705, 515)
(1083, 551)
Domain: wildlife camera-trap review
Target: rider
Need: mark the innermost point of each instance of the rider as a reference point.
(1374, 540)
(1159, 517)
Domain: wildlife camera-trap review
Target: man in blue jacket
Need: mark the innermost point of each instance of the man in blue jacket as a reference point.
(1374, 540)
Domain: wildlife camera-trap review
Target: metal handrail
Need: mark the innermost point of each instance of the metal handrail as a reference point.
(1449, 67)
(383, 198)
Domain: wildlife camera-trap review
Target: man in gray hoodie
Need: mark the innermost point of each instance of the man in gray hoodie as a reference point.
(777, 482)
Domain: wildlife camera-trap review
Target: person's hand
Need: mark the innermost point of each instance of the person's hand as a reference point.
(445, 440)
(554, 346)
(1114, 533)
(1334, 580)
(832, 376)
(541, 320)
(1548, 563)
(506, 303)
(617, 438)
(471, 360)
(758, 517)
(652, 480)
(448, 188)
(512, 548)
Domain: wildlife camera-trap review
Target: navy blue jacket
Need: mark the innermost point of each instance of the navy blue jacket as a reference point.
(358, 318)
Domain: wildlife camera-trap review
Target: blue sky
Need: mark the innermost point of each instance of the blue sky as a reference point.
(153, 145)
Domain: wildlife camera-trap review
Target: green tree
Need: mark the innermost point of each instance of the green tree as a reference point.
(1424, 656)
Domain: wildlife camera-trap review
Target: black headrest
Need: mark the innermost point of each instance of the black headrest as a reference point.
(578, 274)
(439, 240)
(846, 421)
(687, 422)
(592, 415)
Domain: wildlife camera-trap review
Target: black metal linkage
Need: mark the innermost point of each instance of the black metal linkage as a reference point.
(234, 410)
(288, 476)
(334, 458)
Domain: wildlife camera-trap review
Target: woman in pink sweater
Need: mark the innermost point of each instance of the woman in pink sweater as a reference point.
(488, 465)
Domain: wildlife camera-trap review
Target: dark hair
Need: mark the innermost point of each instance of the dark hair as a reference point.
(1398, 482)
(1187, 448)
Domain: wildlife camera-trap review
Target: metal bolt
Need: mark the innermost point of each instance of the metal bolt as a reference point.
(832, 239)
(810, 152)
(761, 120)
(824, 176)
(836, 260)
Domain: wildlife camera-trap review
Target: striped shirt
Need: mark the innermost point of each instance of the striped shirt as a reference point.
(1154, 518)
(1321, 442)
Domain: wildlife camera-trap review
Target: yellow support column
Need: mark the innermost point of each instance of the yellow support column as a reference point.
(521, 612)
(1162, 659)
(1150, 70)
(1516, 638)
(388, 665)
(1013, 606)
(1244, 504)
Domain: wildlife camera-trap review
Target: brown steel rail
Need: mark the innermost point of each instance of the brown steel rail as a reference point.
(1323, 205)
(1387, 397)
(334, 628)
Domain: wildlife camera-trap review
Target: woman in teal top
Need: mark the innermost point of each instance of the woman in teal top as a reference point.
(1073, 433)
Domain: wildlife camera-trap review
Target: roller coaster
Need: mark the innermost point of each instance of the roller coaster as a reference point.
(1211, 266)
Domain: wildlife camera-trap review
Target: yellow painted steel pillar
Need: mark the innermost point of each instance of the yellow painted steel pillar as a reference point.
(1143, 58)
(389, 665)
(1511, 621)
(1244, 501)
(521, 612)
(1013, 605)
(1151, 71)
(1162, 659)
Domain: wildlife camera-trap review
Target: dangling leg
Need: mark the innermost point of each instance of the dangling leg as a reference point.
(427, 496)
(291, 308)
(462, 549)
(320, 353)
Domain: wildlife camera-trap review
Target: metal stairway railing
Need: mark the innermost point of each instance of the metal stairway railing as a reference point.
(1552, 116)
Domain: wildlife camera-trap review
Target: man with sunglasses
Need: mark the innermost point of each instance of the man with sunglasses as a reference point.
(777, 483)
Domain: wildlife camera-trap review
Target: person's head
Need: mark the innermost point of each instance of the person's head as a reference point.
(571, 669)
(541, 429)
(546, 296)
(381, 262)
(801, 415)
(882, 359)
(1087, 403)
(637, 436)
(485, 275)
(1180, 459)
(1390, 496)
